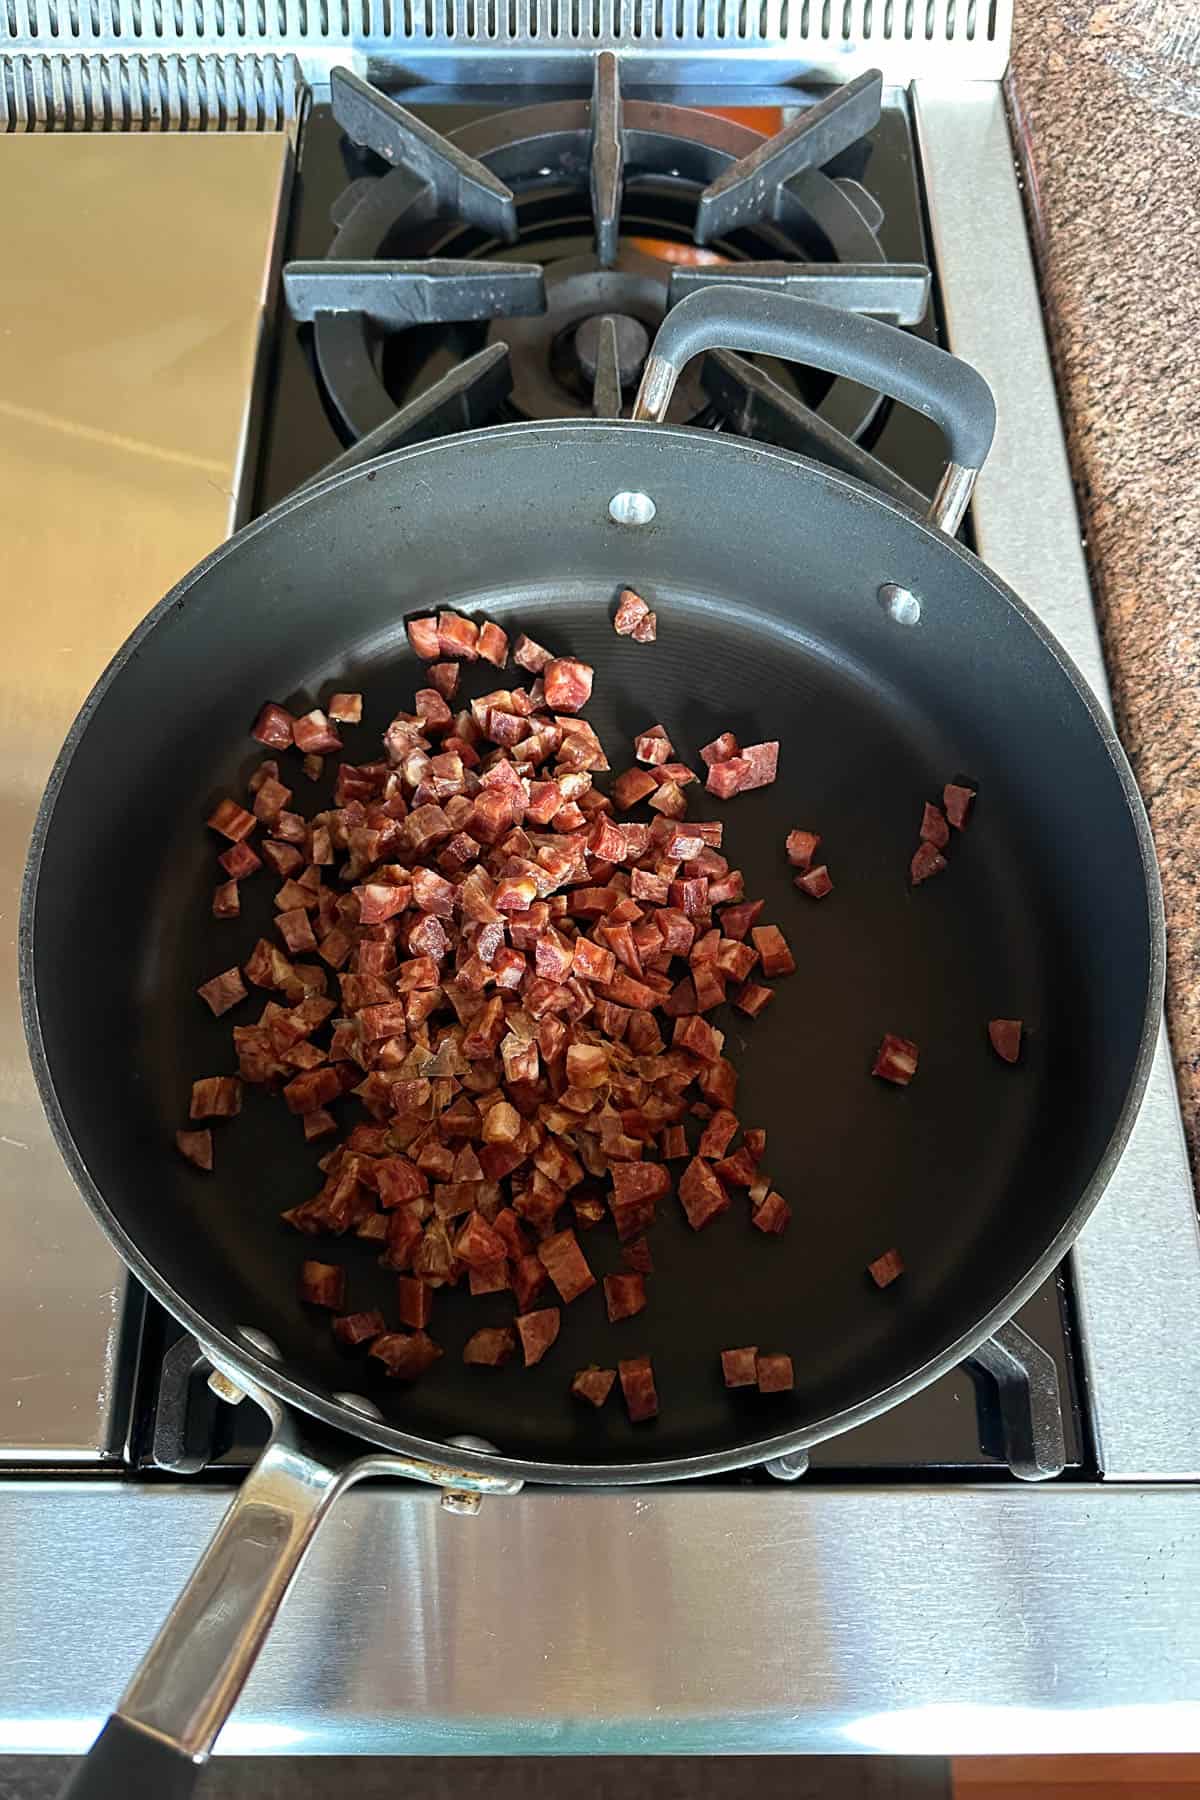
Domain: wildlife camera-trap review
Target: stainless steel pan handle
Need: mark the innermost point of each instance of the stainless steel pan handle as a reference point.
(907, 368)
(159, 1738)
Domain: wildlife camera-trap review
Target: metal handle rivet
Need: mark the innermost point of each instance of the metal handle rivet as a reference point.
(900, 605)
(629, 508)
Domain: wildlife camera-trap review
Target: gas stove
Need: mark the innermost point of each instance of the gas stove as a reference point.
(452, 244)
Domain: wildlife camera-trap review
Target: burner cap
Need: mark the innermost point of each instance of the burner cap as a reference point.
(633, 345)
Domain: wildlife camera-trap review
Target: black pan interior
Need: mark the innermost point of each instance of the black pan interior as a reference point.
(764, 572)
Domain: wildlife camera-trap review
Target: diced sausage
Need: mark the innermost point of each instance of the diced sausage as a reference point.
(701, 1194)
(816, 883)
(593, 1385)
(774, 1374)
(491, 1347)
(896, 1060)
(927, 860)
(957, 802)
(196, 1146)
(1005, 1036)
(223, 991)
(801, 848)
(886, 1268)
(353, 1329)
(323, 1284)
(568, 683)
(740, 1367)
(631, 611)
(774, 955)
(405, 1356)
(566, 1265)
(624, 1296)
(538, 1330)
(637, 1385)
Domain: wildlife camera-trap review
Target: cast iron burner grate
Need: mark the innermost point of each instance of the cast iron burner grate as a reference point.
(477, 277)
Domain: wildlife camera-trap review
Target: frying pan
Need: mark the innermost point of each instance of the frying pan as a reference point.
(793, 603)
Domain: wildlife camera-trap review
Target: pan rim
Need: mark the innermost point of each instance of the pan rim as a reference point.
(258, 1369)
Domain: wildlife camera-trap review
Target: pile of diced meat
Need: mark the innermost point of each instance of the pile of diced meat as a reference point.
(513, 981)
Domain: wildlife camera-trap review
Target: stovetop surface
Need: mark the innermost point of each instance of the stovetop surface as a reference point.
(952, 1428)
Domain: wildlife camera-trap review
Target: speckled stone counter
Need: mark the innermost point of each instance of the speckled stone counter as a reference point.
(1106, 104)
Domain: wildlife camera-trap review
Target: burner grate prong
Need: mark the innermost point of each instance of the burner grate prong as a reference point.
(463, 188)
(429, 291)
(898, 292)
(606, 384)
(607, 172)
(749, 192)
(757, 406)
(468, 395)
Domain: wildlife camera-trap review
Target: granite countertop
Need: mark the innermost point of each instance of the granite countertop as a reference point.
(1106, 104)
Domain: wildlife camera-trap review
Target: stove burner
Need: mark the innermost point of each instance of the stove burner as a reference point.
(531, 227)
(632, 346)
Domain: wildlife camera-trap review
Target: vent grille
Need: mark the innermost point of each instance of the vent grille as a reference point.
(473, 40)
(55, 92)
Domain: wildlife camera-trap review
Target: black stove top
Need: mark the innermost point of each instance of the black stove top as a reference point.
(511, 234)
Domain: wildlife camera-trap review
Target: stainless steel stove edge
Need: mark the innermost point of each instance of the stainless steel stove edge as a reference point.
(1137, 1264)
(686, 1621)
(213, 67)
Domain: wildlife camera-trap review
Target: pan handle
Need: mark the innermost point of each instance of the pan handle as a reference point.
(163, 1730)
(881, 356)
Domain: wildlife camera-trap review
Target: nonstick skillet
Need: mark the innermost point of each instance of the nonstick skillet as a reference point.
(793, 603)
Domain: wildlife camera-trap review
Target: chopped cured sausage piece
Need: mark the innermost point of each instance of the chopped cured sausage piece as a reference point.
(669, 800)
(493, 644)
(457, 636)
(722, 749)
(538, 1330)
(624, 1295)
(637, 1258)
(697, 1035)
(701, 1194)
(727, 778)
(568, 683)
(423, 636)
(226, 902)
(896, 1060)
(223, 991)
(631, 787)
(353, 1329)
(934, 829)
(801, 848)
(315, 735)
(816, 883)
(491, 1347)
(196, 1146)
(927, 860)
(957, 802)
(736, 921)
(346, 709)
(323, 1284)
(1005, 1035)
(566, 1265)
(653, 746)
(886, 1268)
(216, 1097)
(530, 655)
(772, 1215)
(646, 630)
(273, 727)
(318, 1124)
(637, 1385)
(593, 1385)
(406, 1356)
(718, 1134)
(774, 1374)
(415, 1302)
(631, 611)
(775, 957)
(740, 1367)
(232, 821)
(763, 760)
